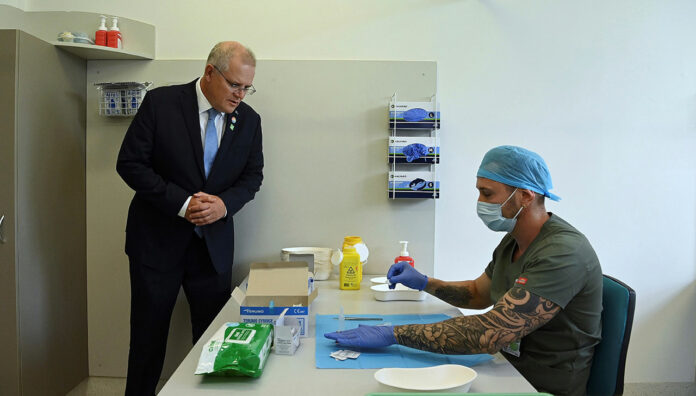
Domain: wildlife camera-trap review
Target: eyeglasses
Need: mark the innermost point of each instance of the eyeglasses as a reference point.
(250, 90)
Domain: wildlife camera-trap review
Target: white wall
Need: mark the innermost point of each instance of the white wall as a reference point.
(15, 3)
(604, 91)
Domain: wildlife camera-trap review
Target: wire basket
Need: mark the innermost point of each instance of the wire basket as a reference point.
(121, 99)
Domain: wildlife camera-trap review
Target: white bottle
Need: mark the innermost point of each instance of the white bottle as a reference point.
(113, 37)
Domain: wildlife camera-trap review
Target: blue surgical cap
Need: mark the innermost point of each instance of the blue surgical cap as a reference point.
(517, 167)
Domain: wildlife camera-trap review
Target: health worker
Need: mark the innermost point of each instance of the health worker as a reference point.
(544, 282)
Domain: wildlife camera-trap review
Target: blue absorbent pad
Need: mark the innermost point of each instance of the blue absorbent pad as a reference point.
(392, 356)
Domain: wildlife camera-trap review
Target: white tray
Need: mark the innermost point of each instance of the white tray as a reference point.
(446, 376)
(382, 292)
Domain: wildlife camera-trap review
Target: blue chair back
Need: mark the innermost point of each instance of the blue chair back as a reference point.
(609, 362)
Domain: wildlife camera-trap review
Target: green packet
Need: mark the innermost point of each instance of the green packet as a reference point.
(237, 349)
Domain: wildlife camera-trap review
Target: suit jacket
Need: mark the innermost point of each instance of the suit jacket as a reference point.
(161, 158)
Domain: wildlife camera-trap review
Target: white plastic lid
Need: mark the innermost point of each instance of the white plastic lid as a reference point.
(363, 252)
(360, 248)
(336, 256)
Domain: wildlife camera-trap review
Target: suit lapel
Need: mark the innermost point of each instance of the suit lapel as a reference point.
(189, 103)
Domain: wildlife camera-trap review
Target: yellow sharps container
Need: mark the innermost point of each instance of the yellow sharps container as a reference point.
(349, 277)
(359, 245)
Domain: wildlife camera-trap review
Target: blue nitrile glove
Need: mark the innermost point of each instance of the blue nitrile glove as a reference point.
(365, 336)
(414, 151)
(408, 276)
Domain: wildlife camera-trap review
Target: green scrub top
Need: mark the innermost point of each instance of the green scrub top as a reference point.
(559, 265)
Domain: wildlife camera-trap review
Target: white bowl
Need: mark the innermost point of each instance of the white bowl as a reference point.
(382, 292)
(446, 376)
(379, 280)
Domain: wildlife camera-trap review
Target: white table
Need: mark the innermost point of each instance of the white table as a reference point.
(298, 375)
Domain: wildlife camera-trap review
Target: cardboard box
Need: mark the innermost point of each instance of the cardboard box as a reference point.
(413, 184)
(414, 115)
(286, 284)
(398, 144)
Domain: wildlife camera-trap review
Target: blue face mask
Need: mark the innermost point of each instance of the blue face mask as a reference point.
(492, 215)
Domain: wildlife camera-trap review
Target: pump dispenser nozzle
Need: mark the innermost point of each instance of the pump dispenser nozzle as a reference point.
(404, 248)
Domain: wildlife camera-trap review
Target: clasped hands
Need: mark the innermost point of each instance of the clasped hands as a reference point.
(205, 209)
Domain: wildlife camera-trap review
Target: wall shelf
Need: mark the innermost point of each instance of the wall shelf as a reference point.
(138, 37)
(98, 52)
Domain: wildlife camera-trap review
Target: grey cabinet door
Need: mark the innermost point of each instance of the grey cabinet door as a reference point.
(9, 364)
(50, 212)
(43, 306)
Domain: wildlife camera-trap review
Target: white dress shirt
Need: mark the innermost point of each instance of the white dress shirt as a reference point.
(203, 107)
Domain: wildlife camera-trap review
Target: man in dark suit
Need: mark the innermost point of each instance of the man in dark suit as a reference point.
(193, 155)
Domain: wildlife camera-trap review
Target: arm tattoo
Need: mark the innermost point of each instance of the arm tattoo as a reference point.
(515, 315)
(459, 296)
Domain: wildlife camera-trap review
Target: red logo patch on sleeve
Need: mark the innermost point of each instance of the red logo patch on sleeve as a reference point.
(521, 281)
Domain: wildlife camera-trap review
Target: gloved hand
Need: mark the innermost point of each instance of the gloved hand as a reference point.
(408, 276)
(365, 336)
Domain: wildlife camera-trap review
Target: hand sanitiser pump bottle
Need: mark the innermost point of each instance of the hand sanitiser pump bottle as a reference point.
(113, 36)
(404, 255)
(100, 34)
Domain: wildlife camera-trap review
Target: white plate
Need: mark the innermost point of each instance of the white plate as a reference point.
(446, 376)
(382, 292)
(379, 280)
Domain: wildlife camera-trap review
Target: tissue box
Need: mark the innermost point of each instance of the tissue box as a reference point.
(286, 284)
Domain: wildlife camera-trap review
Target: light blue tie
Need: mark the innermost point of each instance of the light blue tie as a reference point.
(209, 150)
(211, 142)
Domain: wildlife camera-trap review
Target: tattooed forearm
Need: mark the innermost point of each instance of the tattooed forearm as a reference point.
(459, 296)
(465, 294)
(517, 314)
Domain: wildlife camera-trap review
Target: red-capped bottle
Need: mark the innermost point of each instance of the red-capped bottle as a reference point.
(404, 255)
(100, 34)
(113, 36)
